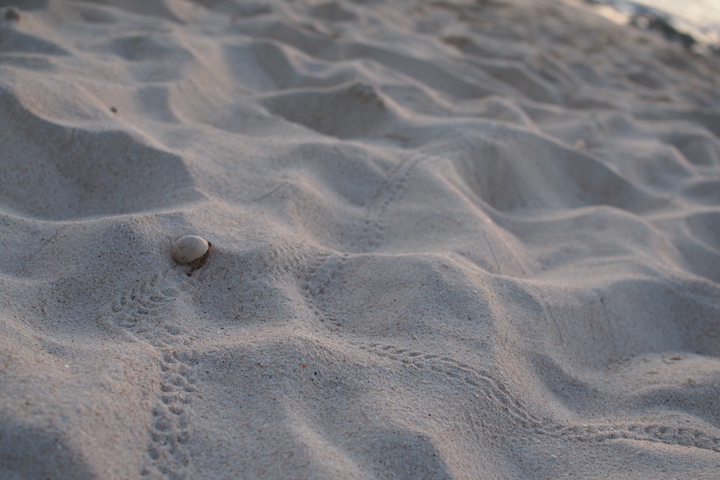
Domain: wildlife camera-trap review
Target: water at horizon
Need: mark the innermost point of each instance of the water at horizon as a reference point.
(698, 18)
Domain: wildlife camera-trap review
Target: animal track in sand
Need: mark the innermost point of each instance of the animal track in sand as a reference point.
(142, 314)
(465, 376)
(169, 430)
(393, 189)
(494, 391)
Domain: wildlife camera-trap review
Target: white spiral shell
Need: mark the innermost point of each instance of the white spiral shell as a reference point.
(189, 248)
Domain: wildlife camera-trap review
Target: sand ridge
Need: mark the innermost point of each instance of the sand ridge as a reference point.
(449, 240)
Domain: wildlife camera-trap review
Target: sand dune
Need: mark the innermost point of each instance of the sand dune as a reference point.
(468, 240)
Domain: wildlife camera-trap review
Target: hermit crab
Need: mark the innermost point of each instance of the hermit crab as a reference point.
(191, 250)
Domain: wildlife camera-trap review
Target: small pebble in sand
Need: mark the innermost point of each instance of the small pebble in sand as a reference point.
(191, 250)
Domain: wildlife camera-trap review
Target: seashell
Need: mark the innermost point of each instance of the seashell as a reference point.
(189, 248)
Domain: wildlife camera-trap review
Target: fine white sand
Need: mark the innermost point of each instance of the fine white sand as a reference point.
(451, 239)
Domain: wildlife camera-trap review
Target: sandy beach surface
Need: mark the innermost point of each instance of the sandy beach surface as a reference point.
(451, 239)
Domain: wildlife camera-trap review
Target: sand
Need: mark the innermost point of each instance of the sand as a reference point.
(450, 240)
